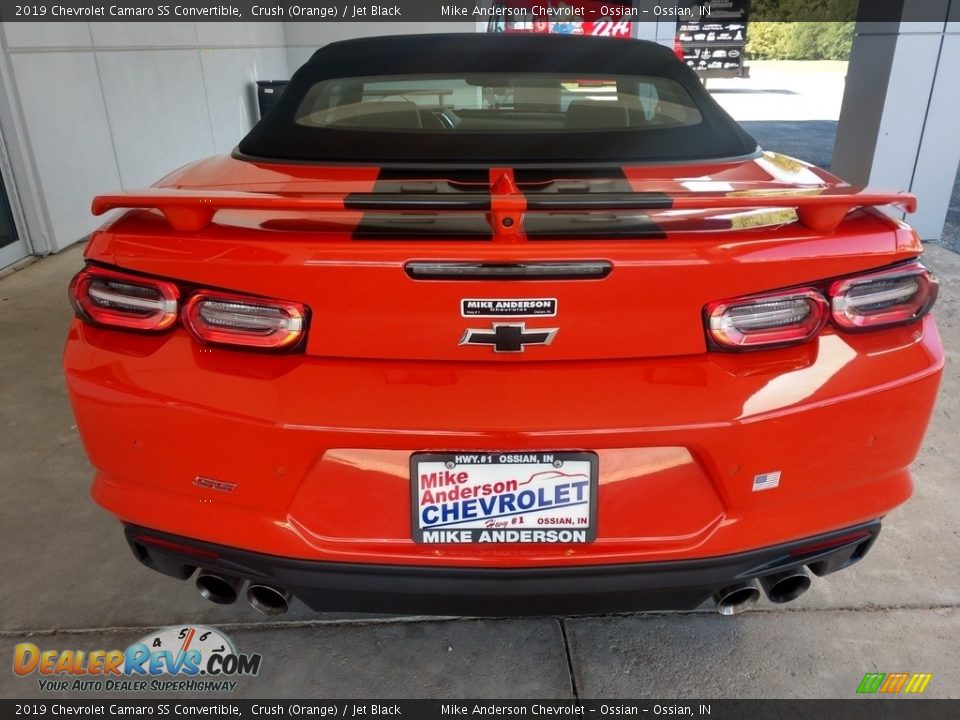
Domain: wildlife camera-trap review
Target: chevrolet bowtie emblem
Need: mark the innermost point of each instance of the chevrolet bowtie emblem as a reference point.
(509, 337)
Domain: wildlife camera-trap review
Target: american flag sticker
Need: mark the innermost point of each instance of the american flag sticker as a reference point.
(766, 481)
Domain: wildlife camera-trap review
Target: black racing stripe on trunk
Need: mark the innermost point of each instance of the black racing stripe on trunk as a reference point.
(599, 201)
(397, 226)
(600, 179)
(473, 180)
(409, 204)
(415, 201)
(396, 181)
(402, 202)
(587, 226)
(547, 189)
(540, 174)
(471, 176)
(425, 190)
(537, 226)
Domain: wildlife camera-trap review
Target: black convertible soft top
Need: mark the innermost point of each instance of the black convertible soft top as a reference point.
(279, 136)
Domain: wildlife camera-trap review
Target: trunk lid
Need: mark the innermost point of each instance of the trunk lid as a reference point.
(486, 265)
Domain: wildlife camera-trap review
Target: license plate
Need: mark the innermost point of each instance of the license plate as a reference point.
(504, 497)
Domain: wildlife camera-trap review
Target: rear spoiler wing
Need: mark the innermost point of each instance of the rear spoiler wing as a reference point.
(820, 209)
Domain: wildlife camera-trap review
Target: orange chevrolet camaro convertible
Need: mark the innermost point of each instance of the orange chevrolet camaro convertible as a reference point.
(501, 325)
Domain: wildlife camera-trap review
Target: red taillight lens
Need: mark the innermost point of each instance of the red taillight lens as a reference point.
(881, 299)
(226, 319)
(114, 299)
(766, 320)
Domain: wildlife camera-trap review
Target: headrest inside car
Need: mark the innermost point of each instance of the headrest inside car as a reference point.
(390, 114)
(587, 114)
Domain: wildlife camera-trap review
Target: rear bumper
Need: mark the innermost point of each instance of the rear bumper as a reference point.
(310, 456)
(680, 585)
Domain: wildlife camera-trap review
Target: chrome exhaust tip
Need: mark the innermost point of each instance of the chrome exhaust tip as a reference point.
(268, 599)
(783, 587)
(736, 598)
(218, 589)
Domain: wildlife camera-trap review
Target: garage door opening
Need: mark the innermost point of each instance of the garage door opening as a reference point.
(11, 248)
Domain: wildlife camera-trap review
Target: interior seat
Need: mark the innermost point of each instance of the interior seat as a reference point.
(399, 114)
(588, 114)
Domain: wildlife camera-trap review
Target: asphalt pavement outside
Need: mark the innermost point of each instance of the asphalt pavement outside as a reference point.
(69, 580)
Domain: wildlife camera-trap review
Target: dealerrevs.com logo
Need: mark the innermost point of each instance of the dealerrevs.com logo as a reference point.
(894, 683)
(193, 658)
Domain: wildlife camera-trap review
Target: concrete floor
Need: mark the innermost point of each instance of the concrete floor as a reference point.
(70, 582)
(797, 90)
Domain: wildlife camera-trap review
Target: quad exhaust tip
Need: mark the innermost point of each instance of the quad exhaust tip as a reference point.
(268, 599)
(218, 589)
(737, 598)
(786, 586)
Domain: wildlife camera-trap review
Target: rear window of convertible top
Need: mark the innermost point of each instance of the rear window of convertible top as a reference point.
(497, 103)
(491, 99)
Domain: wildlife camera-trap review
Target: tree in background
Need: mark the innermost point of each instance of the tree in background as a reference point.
(799, 40)
(805, 29)
(806, 10)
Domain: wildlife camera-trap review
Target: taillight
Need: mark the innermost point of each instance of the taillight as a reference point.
(767, 320)
(227, 319)
(114, 299)
(869, 301)
(881, 299)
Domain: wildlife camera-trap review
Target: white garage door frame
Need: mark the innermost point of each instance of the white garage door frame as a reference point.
(17, 250)
(17, 171)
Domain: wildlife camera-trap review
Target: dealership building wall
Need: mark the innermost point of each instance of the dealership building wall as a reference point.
(898, 124)
(99, 106)
(93, 107)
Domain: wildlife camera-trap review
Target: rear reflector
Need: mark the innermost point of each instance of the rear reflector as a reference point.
(114, 299)
(831, 543)
(888, 297)
(175, 546)
(226, 319)
(766, 320)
